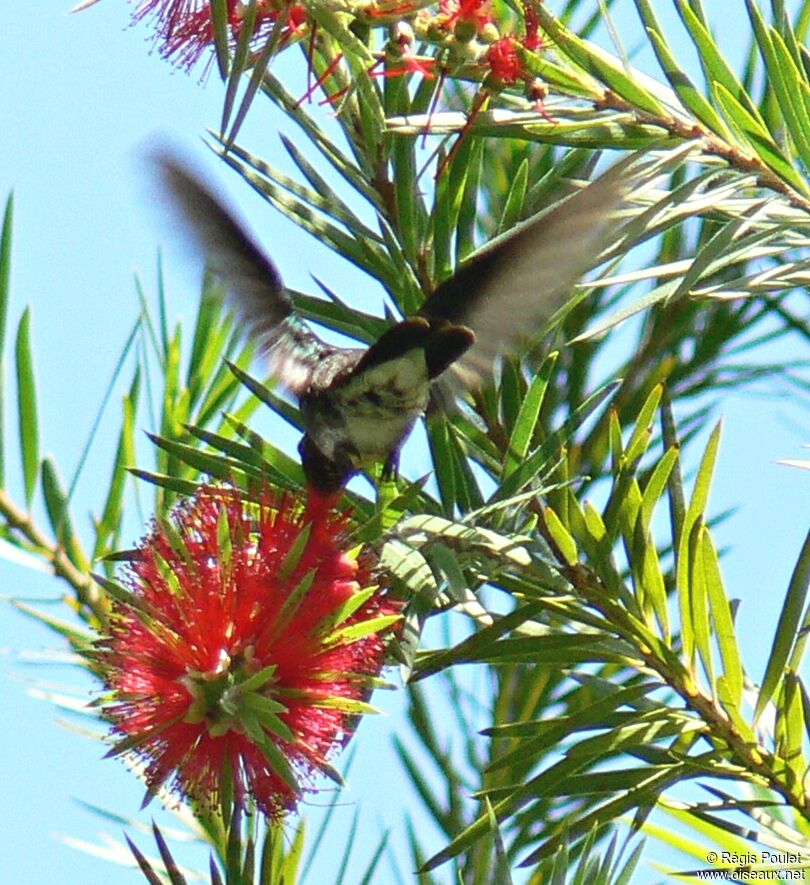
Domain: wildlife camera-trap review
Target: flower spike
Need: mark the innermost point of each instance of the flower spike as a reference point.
(248, 650)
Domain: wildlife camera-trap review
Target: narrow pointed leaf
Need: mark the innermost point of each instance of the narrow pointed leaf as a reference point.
(724, 631)
(694, 514)
(599, 63)
(543, 457)
(526, 421)
(786, 633)
(27, 407)
(145, 867)
(685, 89)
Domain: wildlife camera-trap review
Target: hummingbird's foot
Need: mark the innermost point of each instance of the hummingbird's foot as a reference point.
(387, 491)
(390, 470)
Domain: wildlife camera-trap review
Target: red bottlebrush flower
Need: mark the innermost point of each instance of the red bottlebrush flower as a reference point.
(503, 60)
(532, 41)
(243, 648)
(473, 12)
(184, 29)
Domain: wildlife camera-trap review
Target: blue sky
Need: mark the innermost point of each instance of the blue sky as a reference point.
(82, 96)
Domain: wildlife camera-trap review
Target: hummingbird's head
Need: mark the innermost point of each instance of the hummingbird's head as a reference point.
(323, 474)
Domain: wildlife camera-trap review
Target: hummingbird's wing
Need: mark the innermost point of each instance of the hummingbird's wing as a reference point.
(510, 289)
(252, 280)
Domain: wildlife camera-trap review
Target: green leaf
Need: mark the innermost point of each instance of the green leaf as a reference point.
(675, 492)
(649, 784)
(511, 392)
(336, 314)
(259, 66)
(107, 527)
(442, 456)
(239, 60)
(561, 650)
(690, 618)
(545, 455)
(724, 631)
(626, 873)
(561, 537)
(78, 638)
(760, 140)
(715, 67)
(164, 481)
(714, 248)
(588, 529)
(644, 558)
(791, 730)
(294, 110)
(553, 781)
(642, 431)
(599, 64)
(210, 328)
(346, 609)
(467, 226)
(699, 626)
(515, 199)
(524, 428)
(56, 504)
(306, 208)
(661, 293)
(169, 863)
(265, 395)
(692, 99)
(279, 465)
(553, 733)
(568, 79)
(411, 218)
(787, 636)
(219, 20)
(450, 190)
(373, 865)
(785, 78)
(27, 407)
(364, 628)
(331, 202)
(346, 705)
(788, 83)
(477, 646)
(204, 462)
(145, 867)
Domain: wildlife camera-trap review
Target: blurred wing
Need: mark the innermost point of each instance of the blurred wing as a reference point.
(510, 289)
(253, 283)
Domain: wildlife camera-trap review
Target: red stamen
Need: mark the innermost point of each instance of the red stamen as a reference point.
(410, 65)
(333, 66)
(310, 56)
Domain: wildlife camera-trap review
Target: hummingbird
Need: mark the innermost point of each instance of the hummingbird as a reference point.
(359, 404)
